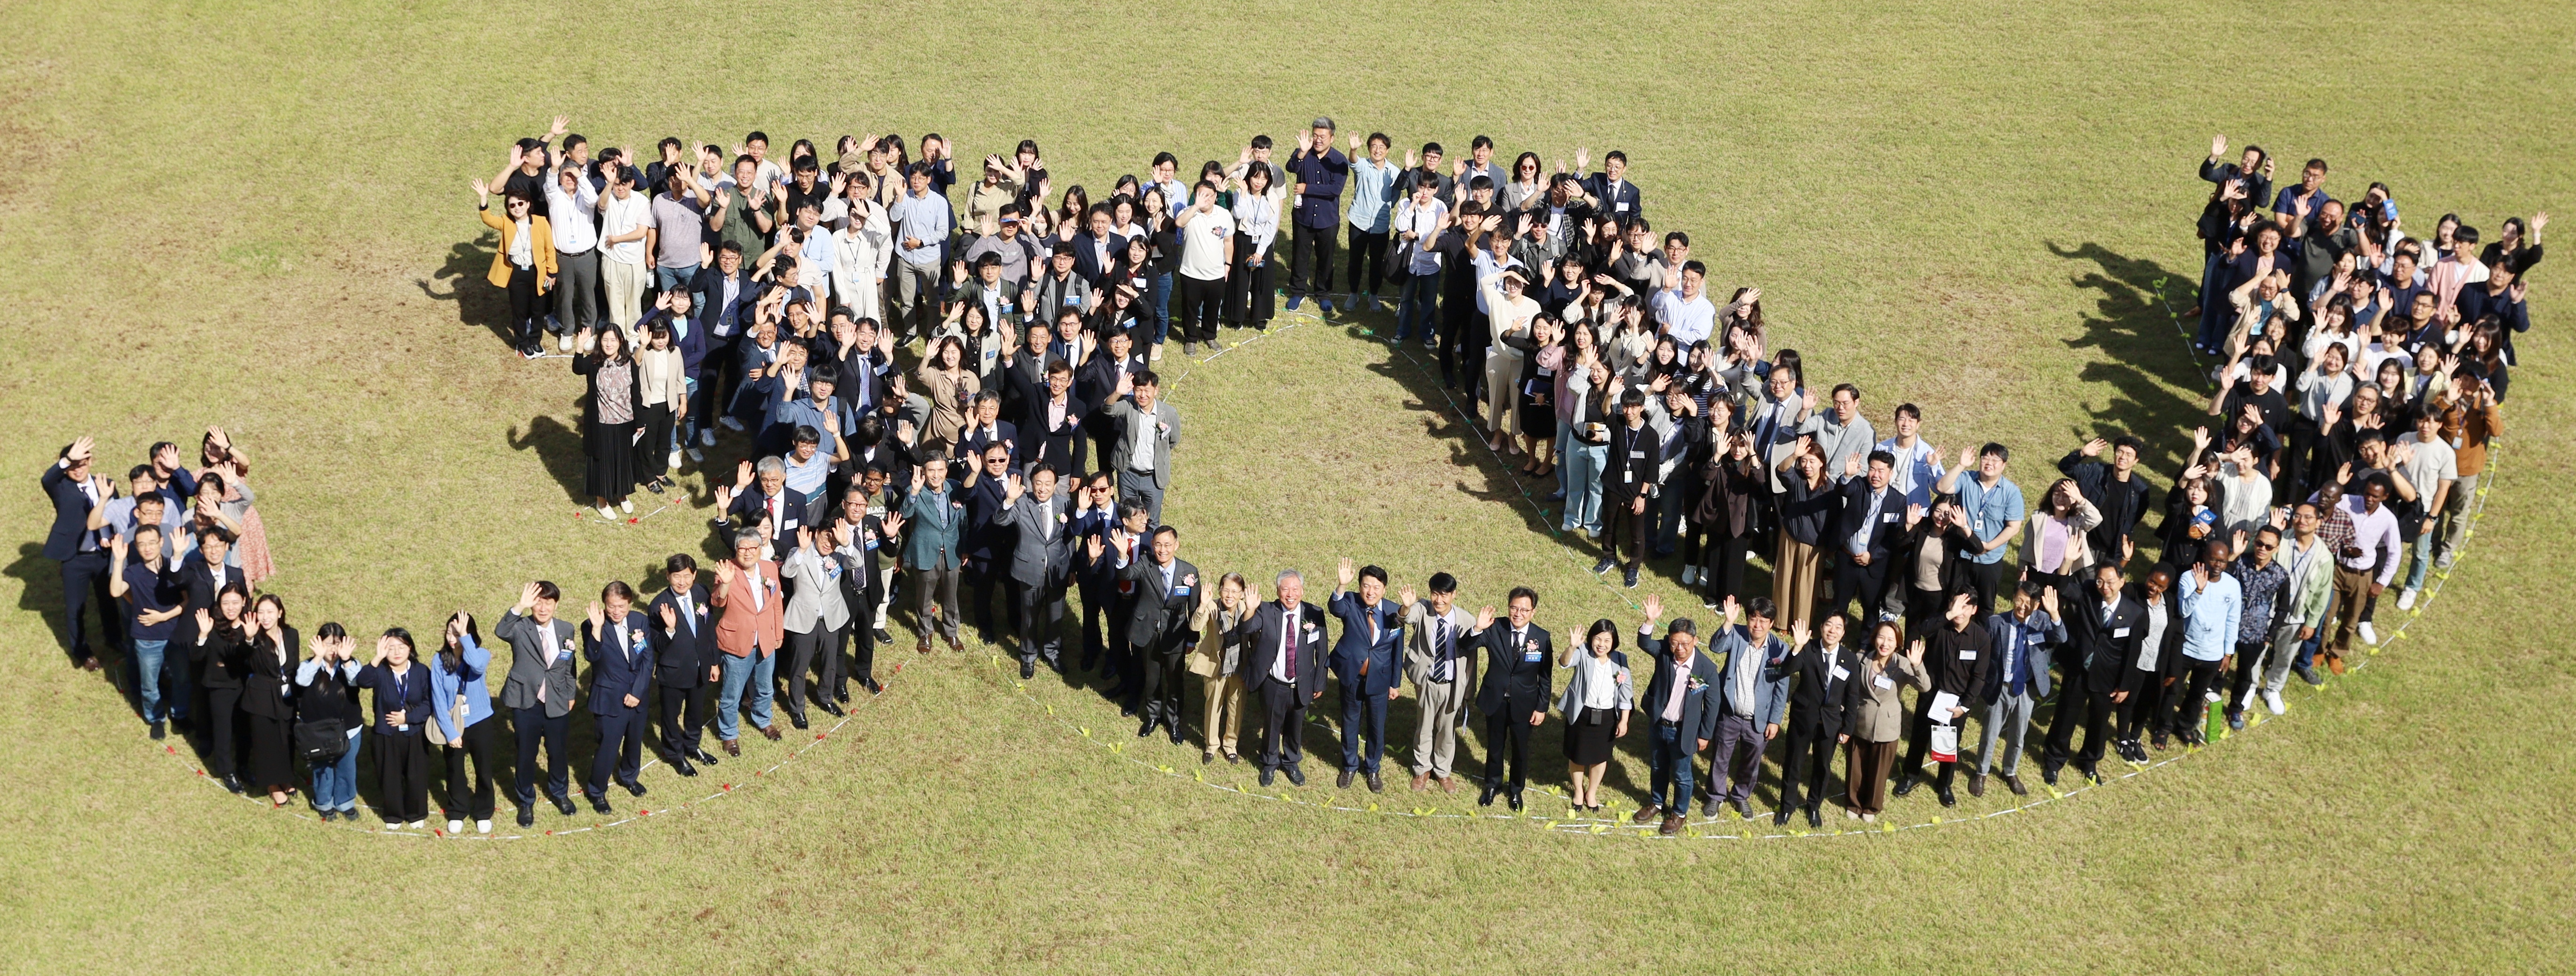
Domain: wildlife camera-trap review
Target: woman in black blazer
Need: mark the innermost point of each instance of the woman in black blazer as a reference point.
(402, 686)
(610, 420)
(2145, 709)
(268, 674)
(220, 654)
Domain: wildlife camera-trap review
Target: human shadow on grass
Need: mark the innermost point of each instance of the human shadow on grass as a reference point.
(559, 446)
(477, 303)
(2155, 384)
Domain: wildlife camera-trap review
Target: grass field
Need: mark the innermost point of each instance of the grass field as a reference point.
(256, 215)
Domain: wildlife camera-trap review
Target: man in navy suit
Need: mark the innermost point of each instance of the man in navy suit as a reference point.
(1368, 662)
(760, 496)
(620, 652)
(684, 664)
(723, 295)
(1619, 198)
(79, 542)
(1681, 702)
(1158, 626)
(1515, 691)
(1283, 666)
(1096, 249)
(1866, 533)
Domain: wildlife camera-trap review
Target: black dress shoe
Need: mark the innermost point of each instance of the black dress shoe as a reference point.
(882, 636)
(232, 782)
(158, 733)
(1516, 801)
(599, 804)
(1343, 781)
(704, 756)
(634, 788)
(1234, 757)
(1375, 784)
(1781, 818)
(1147, 729)
(1176, 733)
(564, 804)
(527, 816)
(873, 687)
(1906, 785)
(1267, 775)
(797, 720)
(832, 709)
(1486, 799)
(681, 765)
(2048, 775)
(842, 695)
(1297, 775)
(1029, 668)
(1947, 798)
(1815, 820)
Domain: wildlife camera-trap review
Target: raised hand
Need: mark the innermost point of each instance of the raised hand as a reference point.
(1914, 652)
(1654, 606)
(670, 617)
(528, 596)
(1729, 610)
(2093, 448)
(2217, 146)
(594, 615)
(1484, 616)
(1091, 545)
(1798, 633)
(1345, 572)
(1405, 596)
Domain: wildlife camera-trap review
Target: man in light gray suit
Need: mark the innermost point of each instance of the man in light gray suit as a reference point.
(1141, 420)
(1041, 562)
(539, 695)
(1435, 631)
(817, 611)
(2024, 639)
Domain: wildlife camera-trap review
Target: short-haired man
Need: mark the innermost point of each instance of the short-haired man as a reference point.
(1515, 692)
(1995, 511)
(2025, 638)
(1682, 703)
(1146, 429)
(1368, 665)
(1959, 655)
(1752, 695)
(1437, 661)
(1158, 626)
(750, 633)
(620, 654)
(1283, 666)
(2115, 490)
(539, 694)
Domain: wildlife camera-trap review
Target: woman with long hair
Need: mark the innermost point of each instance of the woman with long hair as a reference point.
(950, 386)
(461, 711)
(1256, 218)
(610, 419)
(269, 670)
(663, 382)
(1874, 712)
(224, 464)
(221, 656)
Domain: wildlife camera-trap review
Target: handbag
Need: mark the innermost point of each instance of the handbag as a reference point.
(322, 740)
(1399, 263)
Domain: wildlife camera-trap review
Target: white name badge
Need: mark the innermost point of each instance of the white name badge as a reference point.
(1622, 208)
(1967, 655)
(1841, 673)
(2120, 633)
(1883, 683)
(1887, 516)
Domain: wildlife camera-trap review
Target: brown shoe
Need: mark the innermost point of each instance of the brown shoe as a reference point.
(731, 748)
(771, 732)
(2014, 782)
(1647, 813)
(2334, 663)
(1672, 825)
(1977, 784)
(925, 644)
(1448, 784)
(1421, 780)
(955, 644)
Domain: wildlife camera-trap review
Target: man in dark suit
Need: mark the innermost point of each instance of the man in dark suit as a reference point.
(1866, 534)
(878, 526)
(1283, 667)
(1024, 371)
(78, 541)
(539, 694)
(1102, 381)
(760, 495)
(986, 428)
(1041, 554)
(684, 664)
(723, 296)
(2102, 639)
(1959, 653)
(1095, 513)
(988, 290)
(1368, 662)
(620, 653)
(1052, 423)
(1819, 672)
(1096, 249)
(1682, 703)
(1619, 199)
(1158, 627)
(1516, 689)
(985, 546)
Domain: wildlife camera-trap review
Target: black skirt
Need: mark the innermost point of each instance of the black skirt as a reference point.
(611, 449)
(1538, 417)
(1587, 740)
(271, 760)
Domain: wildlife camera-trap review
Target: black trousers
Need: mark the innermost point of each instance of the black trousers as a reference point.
(621, 750)
(1625, 528)
(1197, 306)
(983, 577)
(1923, 606)
(862, 633)
(533, 728)
(2249, 661)
(1809, 759)
(85, 580)
(802, 649)
(704, 405)
(2079, 705)
(685, 714)
(1922, 744)
(1370, 250)
(1037, 611)
(223, 730)
(2143, 712)
(1283, 725)
(525, 314)
(1507, 728)
(402, 773)
(1723, 574)
(1851, 579)
(2190, 694)
(472, 799)
(1363, 730)
(1163, 678)
(1313, 271)
(1249, 298)
(1989, 578)
(1095, 613)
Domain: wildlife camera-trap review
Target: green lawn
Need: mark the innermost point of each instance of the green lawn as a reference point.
(257, 216)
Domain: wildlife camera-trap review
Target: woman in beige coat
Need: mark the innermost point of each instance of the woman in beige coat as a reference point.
(1508, 313)
(1217, 658)
(1873, 714)
(662, 383)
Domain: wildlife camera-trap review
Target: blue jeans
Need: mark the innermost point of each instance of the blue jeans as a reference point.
(1415, 308)
(2423, 549)
(687, 429)
(335, 786)
(1672, 757)
(755, 672)
(149, 658)
(1162, 307)
(666, 279)
(1583, 486)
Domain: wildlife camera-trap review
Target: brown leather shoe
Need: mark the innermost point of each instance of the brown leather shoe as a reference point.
(1647, 813)
(731, 748)
(955, 644)
(2334, 663)
(925, 644)
(1672, 825)
(2015, 783)
(1448, 784)
(1977, 784)
(1421, 780)
(771, 732)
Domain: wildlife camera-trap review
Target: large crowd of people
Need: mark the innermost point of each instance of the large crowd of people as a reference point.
(906, 409)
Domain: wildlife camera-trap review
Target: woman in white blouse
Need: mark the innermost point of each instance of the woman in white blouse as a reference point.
(1256, 218)
(860, 251)
(1596, 703)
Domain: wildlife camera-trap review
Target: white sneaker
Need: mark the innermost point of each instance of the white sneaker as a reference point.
(482, 826)
(563, 343)
(627, 506)
(730, 424)
(2272, 701)
(417, 825)
(706, 437)
(607, 513)
(2211, 697)
(2369, 634)
(674, 463)
(696, 455)
(456, 826)
(1690, 575)
(1158, 353)
(2406, 600)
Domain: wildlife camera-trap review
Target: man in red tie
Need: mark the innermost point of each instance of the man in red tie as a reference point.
(1283, 666)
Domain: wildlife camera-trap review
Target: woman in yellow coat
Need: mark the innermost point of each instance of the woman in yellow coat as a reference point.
(525, 263)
